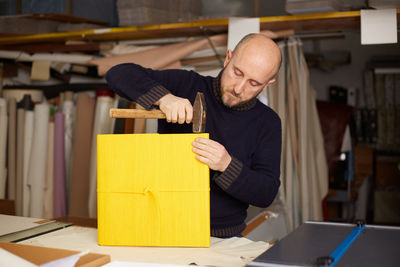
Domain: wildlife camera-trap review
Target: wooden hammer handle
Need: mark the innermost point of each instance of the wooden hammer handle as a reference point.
(136, 113)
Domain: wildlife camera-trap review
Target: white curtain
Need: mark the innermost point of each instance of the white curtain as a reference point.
(304, 170)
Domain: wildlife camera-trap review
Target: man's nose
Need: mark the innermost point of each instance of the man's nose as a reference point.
(239, 88)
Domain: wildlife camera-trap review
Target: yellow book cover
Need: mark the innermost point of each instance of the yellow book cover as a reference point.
(152, 191)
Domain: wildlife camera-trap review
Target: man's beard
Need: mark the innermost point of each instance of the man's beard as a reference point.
(226, 96)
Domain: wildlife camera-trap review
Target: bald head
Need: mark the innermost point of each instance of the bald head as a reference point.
(249, 69)
(265, 48)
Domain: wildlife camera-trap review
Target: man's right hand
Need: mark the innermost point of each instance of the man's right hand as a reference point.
(176, 109)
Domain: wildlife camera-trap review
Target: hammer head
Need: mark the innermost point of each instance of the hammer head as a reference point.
(199, 114)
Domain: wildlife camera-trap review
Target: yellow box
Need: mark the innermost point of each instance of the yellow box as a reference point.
(152, 191)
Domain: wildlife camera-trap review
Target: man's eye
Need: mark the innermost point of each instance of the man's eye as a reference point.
(254, 84)
(238, 73)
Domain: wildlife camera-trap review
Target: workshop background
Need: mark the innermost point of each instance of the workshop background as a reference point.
(339, 101)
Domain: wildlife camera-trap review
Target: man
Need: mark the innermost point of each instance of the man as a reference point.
(244, 149)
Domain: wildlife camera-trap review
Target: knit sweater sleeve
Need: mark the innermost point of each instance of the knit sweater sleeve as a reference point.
(258, 182)
(142, 85)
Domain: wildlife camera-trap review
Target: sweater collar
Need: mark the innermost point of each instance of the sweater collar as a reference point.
(217, 93)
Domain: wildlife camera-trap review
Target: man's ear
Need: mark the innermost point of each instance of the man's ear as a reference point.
(271, 81)
(227, 57)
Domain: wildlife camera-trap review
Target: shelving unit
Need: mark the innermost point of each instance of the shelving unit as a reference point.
(319, 22)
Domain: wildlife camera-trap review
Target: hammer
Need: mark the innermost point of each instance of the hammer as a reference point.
(199, 114)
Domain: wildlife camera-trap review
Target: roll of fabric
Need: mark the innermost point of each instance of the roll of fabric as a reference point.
(38, 159)
(20, 161)
(79, 183)
(3, 146)
(69, 117)
(49, 182)
(12, 147)
(59, 194)
(28, 134)
(102, 125)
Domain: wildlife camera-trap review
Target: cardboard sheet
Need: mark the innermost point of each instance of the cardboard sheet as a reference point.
(152, 191)
(48, 256)
(79, 187)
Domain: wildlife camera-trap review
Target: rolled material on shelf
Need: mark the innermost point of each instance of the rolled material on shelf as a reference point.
(113, 122)
(18, 94)
(49, 183)
(69, 114)
(12, 147)
(3, 146)
(151, 125)
(119, 125)
(59, 194)
(102, 125)
(20, 161)
(140, 124)
(79, 183)
(28, 134)
(38, 159)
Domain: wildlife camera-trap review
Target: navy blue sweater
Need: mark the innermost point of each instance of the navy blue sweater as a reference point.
(250, 133)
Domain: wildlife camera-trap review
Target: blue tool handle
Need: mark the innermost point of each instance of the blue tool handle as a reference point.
(342, 248)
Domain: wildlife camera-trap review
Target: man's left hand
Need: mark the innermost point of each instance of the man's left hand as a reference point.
(211, 153)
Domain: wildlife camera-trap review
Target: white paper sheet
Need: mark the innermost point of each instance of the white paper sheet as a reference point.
(240, 27)
(378, 26)
(69, 261)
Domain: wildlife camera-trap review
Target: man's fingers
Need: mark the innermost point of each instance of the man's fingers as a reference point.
(202, 152)
(203, 159)
(168, 116)
(202, 140)
(181, 115)
(176, 109)
(174, 116)
(189, 113)
(202, 146)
